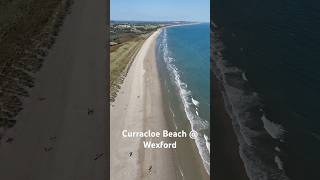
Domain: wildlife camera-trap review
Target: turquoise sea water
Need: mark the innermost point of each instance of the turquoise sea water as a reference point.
(183, 55)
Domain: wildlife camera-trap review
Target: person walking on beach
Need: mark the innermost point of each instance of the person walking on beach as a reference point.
(150, 169)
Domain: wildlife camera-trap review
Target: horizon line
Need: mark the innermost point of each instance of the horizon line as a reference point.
(162, 21)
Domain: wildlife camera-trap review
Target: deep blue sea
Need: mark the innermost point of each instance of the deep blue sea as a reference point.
(184, 55)
(269, 59)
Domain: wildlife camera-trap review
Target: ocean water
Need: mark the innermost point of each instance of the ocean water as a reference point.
(183, 57)
(267, 55)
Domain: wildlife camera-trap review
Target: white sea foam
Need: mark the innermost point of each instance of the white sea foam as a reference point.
(238, 104)
(275, 130)
(195, 102)
(207, 142)
(278, 161)
(244, 77)
(196, 122)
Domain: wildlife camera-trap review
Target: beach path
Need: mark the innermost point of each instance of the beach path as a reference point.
(138, 107)
(55, 138)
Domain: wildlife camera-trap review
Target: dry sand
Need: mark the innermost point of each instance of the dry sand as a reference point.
(138, 107)
(54, 138)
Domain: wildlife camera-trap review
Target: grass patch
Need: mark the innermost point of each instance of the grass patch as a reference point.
(121, 57)
(27, 30)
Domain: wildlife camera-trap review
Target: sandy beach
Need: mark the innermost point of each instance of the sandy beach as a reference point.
(138, 107)
(55, 138)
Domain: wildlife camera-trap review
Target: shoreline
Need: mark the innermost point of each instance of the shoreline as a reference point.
(187, 152)
(190, 162)
(137, 107)
(226, 147)
(178, 25)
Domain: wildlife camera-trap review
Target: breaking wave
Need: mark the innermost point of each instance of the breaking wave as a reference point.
(255, 132)
(189, 103)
